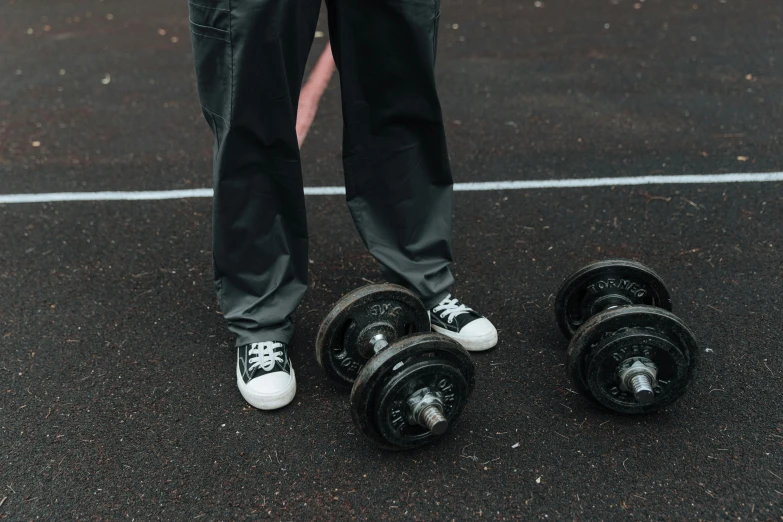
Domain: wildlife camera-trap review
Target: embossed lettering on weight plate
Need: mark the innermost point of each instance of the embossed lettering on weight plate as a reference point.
(632, 288)
(346, 362)
(634, 350)
(447, 388)
(397, 419)
(378, 310)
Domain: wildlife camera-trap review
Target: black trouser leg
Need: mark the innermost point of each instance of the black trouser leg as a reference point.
(250, 57)
(398, 177)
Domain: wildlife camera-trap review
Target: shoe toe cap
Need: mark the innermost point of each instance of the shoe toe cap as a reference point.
(479, 328)
(270, 384)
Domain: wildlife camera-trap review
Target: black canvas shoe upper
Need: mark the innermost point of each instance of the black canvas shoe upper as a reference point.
(450, 314)
(257, 359)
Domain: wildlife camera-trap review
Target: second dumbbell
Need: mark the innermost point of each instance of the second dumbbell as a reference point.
(627, 350)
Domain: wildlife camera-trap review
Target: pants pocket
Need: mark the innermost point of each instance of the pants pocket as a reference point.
(210, 30)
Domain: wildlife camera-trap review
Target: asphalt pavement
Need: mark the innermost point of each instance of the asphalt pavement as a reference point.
(119, 399)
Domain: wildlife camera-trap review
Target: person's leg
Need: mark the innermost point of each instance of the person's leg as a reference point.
(250, 57)
(398, 178)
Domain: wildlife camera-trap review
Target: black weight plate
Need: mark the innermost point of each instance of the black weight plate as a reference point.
(671, 345)
(390, 408)
(342, 345)
(601, 371)
(605, 283)
(379, 378)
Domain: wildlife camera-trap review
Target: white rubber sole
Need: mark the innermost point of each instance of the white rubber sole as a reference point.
(471, 343)
(268, 401)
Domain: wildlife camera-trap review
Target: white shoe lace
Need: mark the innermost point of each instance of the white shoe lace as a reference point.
(449, 308)
(266, 355)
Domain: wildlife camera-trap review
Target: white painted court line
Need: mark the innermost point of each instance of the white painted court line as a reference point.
(696, 179)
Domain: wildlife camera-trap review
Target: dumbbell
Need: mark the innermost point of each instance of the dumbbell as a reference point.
(627, 350)
(408, 384)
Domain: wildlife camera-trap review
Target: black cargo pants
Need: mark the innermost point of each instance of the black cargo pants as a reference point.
(250, 57)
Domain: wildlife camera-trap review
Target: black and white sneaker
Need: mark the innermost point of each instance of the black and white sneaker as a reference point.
(264, 375)
(472, 330)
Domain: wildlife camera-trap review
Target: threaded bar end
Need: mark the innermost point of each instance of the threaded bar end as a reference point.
(432, 417)
(642, 389)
